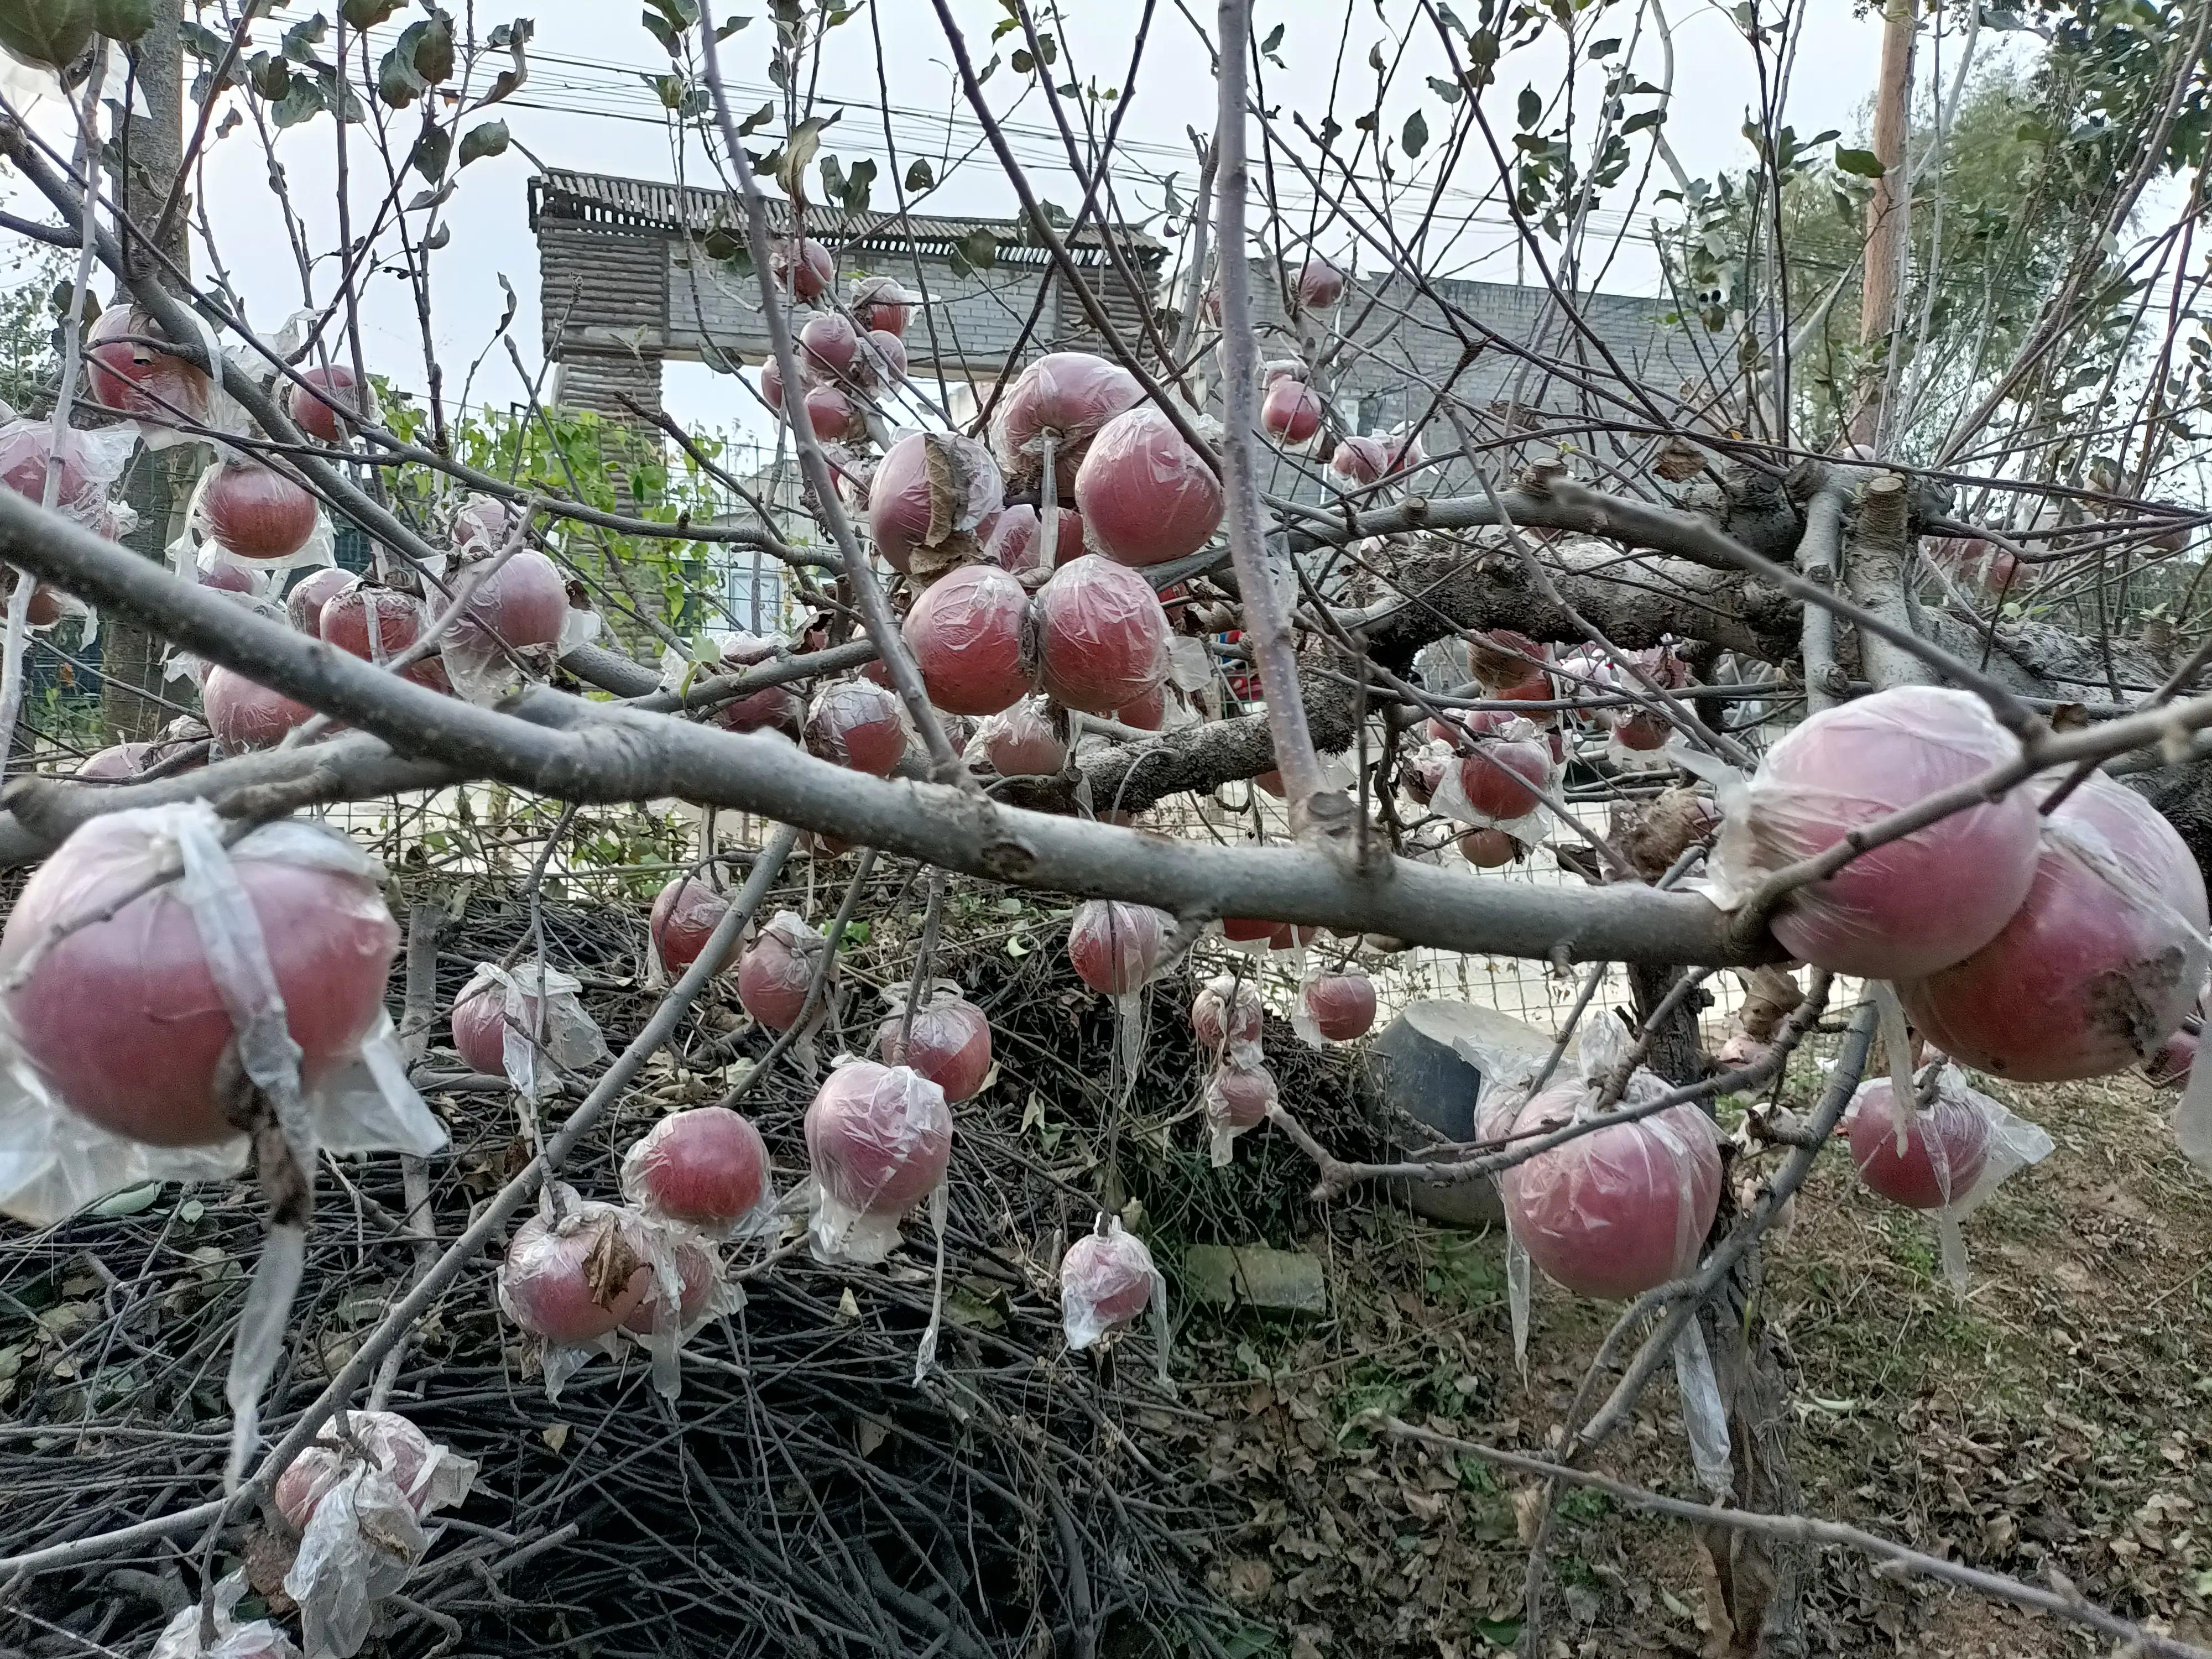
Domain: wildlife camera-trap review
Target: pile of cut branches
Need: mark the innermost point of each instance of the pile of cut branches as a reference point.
(802, 1494)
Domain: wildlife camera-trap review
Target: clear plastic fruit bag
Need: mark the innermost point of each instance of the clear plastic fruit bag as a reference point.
(1946, 1157)
(532, 1017)
(359, 1495)
(1107, 1281)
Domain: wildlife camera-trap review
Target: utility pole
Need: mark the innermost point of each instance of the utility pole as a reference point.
(1889, 220)
(159, 485)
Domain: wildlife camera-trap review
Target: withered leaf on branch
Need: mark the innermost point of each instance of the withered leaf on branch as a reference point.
(610, 1264)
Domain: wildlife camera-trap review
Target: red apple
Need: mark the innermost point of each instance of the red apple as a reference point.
(122, 1016)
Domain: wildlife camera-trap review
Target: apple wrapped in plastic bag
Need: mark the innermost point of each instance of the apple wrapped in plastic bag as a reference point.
(1238, 1098)
(517, 623)
(1498, 783)
(1612, 1212)
(149, 976)
(579, 1275)
(255, 514)
(1107, 1279)
(162, 996)
(1227, 1017)
(526, 1022)
(879, 1140)
(1334, 1007)
(668, 1318)
(1913, 905)
(775, 975)
(1118, 949)
(1945, 1157)
(358, 1496)
(705, 1170)
(91, 462)
(947, 1038)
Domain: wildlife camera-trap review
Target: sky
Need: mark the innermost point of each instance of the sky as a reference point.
(588, 106)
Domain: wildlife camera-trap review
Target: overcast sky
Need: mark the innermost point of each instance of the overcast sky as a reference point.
(588, 107)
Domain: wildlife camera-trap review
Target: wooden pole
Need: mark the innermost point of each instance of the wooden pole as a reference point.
(159, 485)
(1889, 219)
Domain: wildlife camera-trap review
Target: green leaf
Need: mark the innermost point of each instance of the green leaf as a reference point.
(859, 183)
(663, 31)
(56, 35)
(1643, 118)
(1274, 38)
(1481, 57)
(128, 1201)
(1021, 61)
(730, 27)
(367, 13)
(799, 153)
(759, 119)
(397, 81)
(1416, 136)
(487, 138)
(1604, 48)
(1450, 91)
(977, 251)
(833, 178)
(302, 39)
(1529, 110)
(1864, 163)
(270, 77)
(433, 49)
(202, 42)
(302, 102)
(124, 20)
(433, 147)
(729, 245)
(918, 176)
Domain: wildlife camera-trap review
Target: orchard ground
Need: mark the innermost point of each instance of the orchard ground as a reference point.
(2053, 1419)
(2050, 1420)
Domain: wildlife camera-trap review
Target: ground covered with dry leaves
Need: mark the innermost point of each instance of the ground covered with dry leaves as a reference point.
(2051, 1422)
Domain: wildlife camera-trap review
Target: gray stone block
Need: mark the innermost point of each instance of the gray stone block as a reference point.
(1283, 1281)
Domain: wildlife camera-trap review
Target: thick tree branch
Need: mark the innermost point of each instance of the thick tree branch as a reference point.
(575, 750)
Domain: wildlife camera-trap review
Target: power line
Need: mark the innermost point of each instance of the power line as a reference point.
(601, 89)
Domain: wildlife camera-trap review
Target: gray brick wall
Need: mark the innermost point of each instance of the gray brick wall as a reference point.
(1404, 345)
(620, 299)
(715, 308)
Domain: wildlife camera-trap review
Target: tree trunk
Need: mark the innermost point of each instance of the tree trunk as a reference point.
(1676, 1053)
(160, 485)
(1758, 1577)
